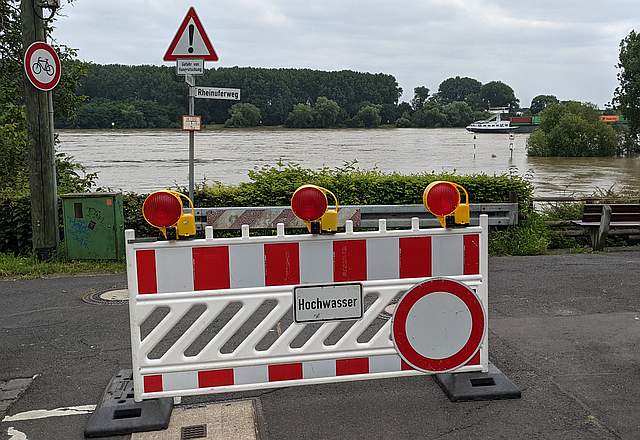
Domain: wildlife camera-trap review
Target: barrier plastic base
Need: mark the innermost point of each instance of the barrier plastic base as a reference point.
(494, 385)
(117, 413)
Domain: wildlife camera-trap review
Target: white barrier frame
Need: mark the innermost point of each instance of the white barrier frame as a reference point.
(141, 306)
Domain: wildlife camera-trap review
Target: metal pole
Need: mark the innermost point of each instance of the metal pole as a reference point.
(191, 142)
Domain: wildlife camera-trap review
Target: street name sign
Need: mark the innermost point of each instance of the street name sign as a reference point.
(215, 93)
(191, 123)
(191, 41)
(42, 66)
(190, 67)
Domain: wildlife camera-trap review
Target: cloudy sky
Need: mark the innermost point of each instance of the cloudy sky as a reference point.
(567, 48)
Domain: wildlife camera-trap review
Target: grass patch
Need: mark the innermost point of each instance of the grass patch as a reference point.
(530, 237)
(13, 267)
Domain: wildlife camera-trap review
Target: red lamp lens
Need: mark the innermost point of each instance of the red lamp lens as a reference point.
(162, 209)
(443, 198)
(309, 203)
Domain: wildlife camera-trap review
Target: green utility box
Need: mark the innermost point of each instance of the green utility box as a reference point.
(93, 226)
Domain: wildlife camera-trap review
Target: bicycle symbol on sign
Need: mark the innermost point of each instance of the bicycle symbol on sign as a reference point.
(43, 64)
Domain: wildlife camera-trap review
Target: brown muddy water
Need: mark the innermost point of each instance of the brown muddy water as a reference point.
(146, 160)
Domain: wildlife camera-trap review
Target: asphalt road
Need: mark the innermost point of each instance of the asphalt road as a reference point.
(565, 328)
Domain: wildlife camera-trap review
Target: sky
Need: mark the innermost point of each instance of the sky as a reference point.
(567, 48)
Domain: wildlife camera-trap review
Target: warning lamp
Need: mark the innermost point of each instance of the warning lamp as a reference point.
(443, 200)
(309, 203)
(164, 210)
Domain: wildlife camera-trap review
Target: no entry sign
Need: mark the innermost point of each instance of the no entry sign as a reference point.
(438, 325)
(42, 66)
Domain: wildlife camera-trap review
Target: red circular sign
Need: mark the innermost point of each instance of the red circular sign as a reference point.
(438, 325)
(42, 66)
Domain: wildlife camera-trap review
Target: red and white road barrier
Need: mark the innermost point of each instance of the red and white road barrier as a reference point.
(221, 315)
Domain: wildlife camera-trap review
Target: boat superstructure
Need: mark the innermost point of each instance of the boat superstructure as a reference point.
(495, 124)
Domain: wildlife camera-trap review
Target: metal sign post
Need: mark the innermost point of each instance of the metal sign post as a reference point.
(190, 48)
(190, 79)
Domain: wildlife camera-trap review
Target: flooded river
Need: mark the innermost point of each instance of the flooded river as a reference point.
(145, 160)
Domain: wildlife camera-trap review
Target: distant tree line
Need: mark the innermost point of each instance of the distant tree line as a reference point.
(154, 97)
(145, 96)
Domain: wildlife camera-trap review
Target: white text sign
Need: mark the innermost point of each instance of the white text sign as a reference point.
(190, 67)
(215, 93)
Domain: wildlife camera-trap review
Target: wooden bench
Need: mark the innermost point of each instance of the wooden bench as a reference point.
(613, 219)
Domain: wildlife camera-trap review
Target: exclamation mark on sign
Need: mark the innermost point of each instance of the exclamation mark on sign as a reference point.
(191, 29)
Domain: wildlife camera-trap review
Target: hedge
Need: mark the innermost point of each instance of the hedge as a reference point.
(274, 185)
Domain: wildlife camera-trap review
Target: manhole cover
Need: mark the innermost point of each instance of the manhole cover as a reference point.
(110, 297)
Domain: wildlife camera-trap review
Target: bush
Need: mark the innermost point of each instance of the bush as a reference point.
(530, 237)
(368, 116)
(243, 115)
(273, 185)
(572, 129)
(403, 122)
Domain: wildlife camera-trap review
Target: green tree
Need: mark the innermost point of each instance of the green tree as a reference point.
(14, 147)
(243, 115)
(429, 117)
(302, 116)
(498, 94)
(458, 114)
(404, 121)
(541, 102)
(326, 112)
(458, 89)
(627, 94)
(572, 129)
(420, 97)
(369, 116)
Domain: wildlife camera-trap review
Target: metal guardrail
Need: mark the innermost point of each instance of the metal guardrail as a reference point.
(363, 216)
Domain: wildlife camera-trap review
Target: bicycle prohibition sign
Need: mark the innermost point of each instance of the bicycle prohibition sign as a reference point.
(42, 66)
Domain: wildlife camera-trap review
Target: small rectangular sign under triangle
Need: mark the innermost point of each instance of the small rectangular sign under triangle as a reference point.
(191, 41)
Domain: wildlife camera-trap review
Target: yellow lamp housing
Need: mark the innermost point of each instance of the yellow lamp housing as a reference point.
(310, 204)
(164, 210)
(443, 200)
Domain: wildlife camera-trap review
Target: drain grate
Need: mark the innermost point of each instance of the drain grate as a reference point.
(194, 431)
(109, 297)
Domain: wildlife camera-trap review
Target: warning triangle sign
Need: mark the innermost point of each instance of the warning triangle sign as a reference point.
(191, 41)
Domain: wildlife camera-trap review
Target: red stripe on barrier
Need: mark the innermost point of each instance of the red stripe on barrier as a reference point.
(210, 267)
(281, 264)
(346, 367)
(415, 257)
(349, 260)
(152, 384)
(471, 254)
(215, 378)
(285, 372)
(146, 271)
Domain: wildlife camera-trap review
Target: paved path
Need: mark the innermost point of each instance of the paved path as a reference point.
(565, 328)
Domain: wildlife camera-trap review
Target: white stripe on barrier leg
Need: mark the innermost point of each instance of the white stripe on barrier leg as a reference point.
(134, 326)
(483, 289)
(208, 232)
